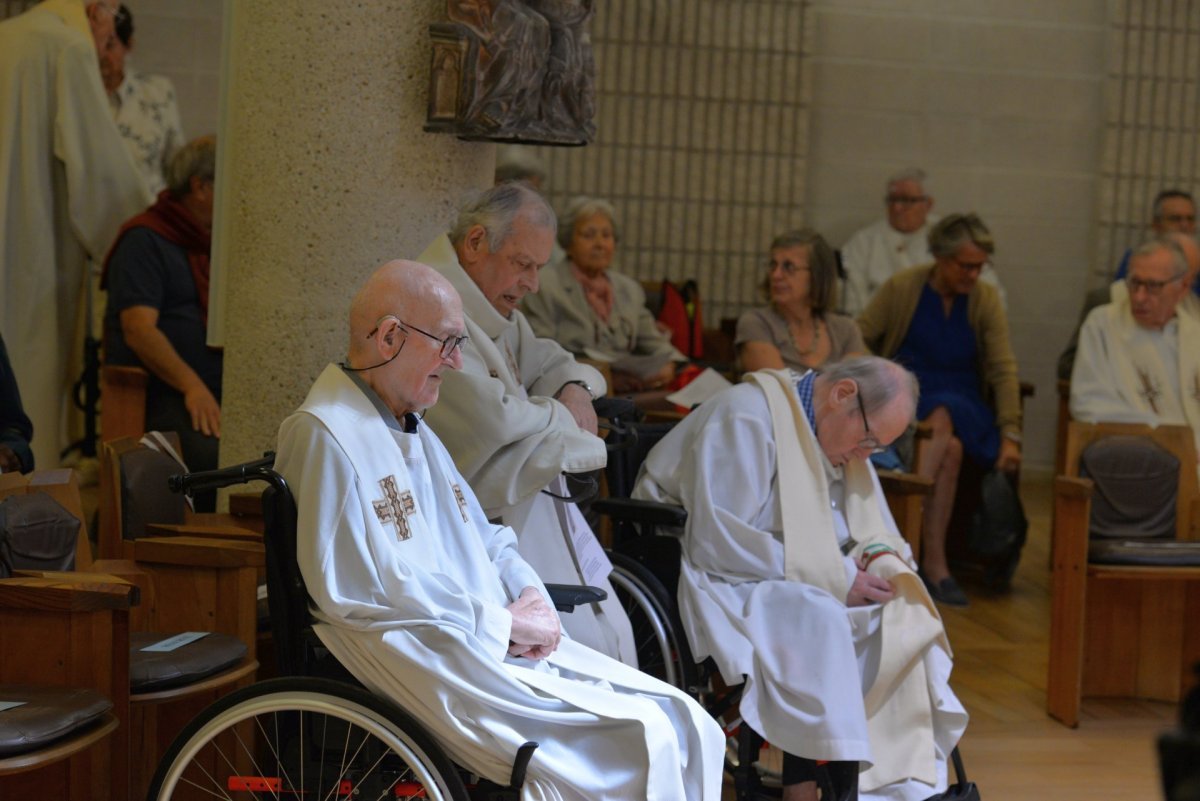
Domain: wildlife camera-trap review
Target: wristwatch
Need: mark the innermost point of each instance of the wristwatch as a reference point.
(1014, 436)
(586, 387)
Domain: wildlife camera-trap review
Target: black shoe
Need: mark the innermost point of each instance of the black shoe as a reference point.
(946, 592)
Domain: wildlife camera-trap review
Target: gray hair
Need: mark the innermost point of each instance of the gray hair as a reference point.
(498, 208)
(1159, 243)
(196, 159)
(518, 163)
(914, 174)
(879, 380)
(580, 208)
(955, 230)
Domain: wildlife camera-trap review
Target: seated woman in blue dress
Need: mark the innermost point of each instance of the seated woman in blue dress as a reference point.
(949, 329)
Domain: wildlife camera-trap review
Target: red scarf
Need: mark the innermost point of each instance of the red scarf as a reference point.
(171, 220)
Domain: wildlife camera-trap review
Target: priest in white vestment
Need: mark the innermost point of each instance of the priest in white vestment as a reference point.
(795, 580)
(519, 413)
(428, 603)
(875, 253)
(1139, 356)
(66, 185)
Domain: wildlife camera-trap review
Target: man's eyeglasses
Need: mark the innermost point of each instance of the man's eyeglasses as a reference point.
(1176, 219)
(448, 344)
(1151, 287)
(904, 200)
(869, 442)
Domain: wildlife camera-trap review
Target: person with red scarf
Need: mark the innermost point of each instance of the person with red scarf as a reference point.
(157, 317)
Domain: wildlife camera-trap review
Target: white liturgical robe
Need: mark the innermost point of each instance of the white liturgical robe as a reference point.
(66, 185)
(874, 254)
(411, 585)
(813, 667)
(511, 439)
(1125, 373)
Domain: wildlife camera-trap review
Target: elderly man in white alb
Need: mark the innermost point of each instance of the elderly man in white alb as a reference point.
(795, 580)
(874, 254)
(519, 413)
(425, 601)
(1139, 356)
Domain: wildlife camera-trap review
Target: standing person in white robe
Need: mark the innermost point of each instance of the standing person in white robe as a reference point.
(66, 185)
(1139, 356)
(519, 413)
(428, 603)
(875, 253)
(808, 594)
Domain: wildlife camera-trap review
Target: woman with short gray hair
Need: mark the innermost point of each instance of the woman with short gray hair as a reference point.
(594, 311)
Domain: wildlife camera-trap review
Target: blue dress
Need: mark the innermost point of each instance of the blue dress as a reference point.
(942, 352)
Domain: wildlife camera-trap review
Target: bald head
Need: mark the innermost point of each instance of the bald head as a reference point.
(400, 323)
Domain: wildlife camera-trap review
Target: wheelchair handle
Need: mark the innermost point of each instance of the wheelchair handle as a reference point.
(259, 470)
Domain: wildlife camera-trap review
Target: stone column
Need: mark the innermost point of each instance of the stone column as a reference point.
(325, 174)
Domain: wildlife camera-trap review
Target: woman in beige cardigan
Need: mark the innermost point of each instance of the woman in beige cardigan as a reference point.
(948, 328)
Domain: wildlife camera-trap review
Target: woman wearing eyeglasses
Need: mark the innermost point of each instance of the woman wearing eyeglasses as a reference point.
(594, 311)
(798, 329)
(947, 327)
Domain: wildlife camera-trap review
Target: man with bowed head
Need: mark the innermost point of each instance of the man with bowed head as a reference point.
(425, 601)
(794, 579)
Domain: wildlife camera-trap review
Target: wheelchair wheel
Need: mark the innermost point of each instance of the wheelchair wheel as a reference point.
(305, 737)
(662, 649)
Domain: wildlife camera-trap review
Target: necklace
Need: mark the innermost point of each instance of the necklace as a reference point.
(816, 337)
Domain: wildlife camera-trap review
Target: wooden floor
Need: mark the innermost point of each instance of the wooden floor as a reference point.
(1012, 749)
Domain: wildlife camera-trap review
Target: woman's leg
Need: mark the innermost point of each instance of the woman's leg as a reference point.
(941, 462)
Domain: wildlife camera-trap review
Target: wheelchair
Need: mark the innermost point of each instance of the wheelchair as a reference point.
(314, 732)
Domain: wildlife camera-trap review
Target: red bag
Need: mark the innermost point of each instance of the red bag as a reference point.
(680, 312)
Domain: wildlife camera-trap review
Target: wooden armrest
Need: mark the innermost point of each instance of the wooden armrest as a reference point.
(227, 531)
(923, 431)
(900, 483)
(1073, 487)
(1064, 388)
(199, 552)
(67, 592)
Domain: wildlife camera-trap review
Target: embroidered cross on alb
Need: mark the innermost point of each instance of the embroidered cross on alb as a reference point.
(1149, 391)
(395, 507)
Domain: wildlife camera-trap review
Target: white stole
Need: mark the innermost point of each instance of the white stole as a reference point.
(898, 705)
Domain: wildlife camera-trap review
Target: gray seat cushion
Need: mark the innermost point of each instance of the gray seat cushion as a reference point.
(36, 533)
(1136, 481)
(1149, 553)
(47, 714)
(150, 671)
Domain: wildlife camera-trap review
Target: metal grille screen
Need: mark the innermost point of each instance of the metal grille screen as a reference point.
(702, 142)
(1152, 132)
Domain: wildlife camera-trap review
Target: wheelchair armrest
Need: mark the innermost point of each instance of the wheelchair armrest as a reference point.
(635, 511)
(566, 597)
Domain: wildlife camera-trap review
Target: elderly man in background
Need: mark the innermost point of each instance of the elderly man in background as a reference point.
(1173, 211)
(873, 254)
(519, 414)
(66, 184)
(1118, 290)
(1139, 356)
(795, 580)
(425, 601)
(157, 316)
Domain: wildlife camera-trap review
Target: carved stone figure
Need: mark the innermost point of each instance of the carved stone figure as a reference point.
(526, 68)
